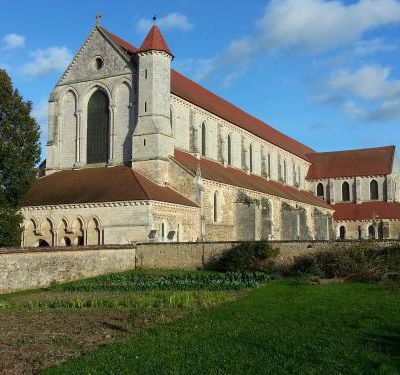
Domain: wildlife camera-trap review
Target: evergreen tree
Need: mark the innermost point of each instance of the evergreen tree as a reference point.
(19, 153)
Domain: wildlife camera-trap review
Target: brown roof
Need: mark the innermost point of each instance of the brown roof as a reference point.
(154, 41)
(120, 42)
(94, 185)
(194, 93)
(214, 171)
(366, 210)
(351, 163)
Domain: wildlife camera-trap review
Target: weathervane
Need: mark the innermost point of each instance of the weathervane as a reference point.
(98, 19)
(154, 19)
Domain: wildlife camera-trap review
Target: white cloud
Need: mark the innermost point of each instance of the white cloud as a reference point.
(368, 82)
(47, 60)
(369, 47)
(171, 21)
(367, 94)
(11, 41)
(306, 26)
(320, 25)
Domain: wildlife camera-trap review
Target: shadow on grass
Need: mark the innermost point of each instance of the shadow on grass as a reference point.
(388, 343)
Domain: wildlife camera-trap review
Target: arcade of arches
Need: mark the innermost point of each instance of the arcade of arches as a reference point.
(76, 233)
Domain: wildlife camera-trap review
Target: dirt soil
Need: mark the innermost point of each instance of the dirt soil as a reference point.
(33, 340)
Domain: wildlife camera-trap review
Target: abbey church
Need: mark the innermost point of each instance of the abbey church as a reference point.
(137, 152)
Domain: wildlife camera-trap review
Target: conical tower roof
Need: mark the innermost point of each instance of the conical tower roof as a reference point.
(154, 41)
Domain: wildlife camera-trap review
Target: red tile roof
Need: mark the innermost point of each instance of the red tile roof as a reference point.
(366, 210)
(214, 171)
(154, 41)
(127, 47)
(194, 93)
(352, 163)
(94, 185)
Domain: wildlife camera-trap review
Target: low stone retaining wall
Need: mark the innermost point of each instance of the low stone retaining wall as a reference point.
(22, 269)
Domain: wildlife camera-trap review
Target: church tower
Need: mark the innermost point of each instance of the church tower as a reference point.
(153, 141)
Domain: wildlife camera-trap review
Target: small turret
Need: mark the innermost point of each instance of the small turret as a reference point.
(153, 142)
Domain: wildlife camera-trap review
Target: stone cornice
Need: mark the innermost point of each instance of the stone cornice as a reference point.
(104, 204)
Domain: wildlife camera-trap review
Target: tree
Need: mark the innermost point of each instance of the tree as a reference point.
(19, 153)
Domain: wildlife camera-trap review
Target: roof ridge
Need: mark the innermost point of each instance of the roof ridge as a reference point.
(139, 183)
(353, 150)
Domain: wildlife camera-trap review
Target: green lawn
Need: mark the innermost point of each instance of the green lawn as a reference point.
(285, 327)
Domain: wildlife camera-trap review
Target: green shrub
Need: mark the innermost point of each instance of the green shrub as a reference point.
(246, 257)
(360, 262)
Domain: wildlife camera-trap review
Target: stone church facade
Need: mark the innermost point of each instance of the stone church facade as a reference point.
(137, 152)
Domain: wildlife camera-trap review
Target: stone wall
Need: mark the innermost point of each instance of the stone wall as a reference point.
(37, 268)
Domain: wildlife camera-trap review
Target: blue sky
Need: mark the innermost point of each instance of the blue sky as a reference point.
(324, 72)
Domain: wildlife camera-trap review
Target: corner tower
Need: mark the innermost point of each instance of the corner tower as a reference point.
(153, 141)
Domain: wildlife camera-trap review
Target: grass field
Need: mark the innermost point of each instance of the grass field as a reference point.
(42, 328)
(285, 327)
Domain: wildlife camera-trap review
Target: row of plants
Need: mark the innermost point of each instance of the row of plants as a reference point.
(133, 281)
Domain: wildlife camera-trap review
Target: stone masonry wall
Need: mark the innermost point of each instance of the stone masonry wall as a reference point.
(22, 269)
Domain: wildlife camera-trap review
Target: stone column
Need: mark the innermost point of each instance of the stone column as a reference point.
(246, 157)
(331, 191)
(78, 115)
(311, 222)
(112, 134)
(358, 197)
(224, 150)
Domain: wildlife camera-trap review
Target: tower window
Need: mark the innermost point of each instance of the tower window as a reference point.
(144, 142)
(98, 63)
(145, 74)
(145, 106)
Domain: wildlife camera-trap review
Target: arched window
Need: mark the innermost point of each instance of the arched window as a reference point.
(320, 190)
(97, 128)
(342, 232)
(371, 232)
(43, 243)
(216, 207)
(345, 192)
(251, 157)
(284, 172)
(203, 139)
(373, 190)
(229, 150)
(298, 176)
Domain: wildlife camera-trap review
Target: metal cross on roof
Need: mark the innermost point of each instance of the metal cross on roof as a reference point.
(154, 19)
(98, 18)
